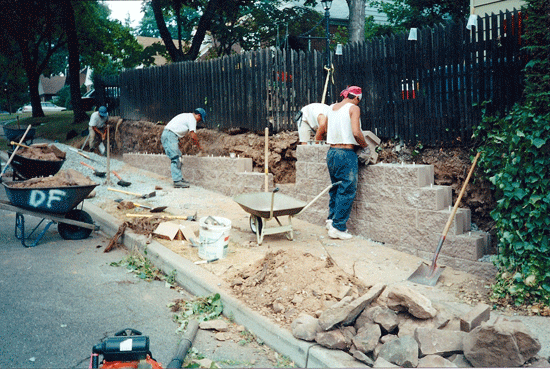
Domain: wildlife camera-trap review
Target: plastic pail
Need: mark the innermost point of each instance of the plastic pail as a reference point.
(213, 237)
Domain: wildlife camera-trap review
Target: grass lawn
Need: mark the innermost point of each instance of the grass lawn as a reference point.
(54, 126)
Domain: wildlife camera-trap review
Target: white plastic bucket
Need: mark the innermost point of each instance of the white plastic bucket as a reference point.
(213, 238)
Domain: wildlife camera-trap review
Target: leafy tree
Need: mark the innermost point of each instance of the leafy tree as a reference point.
(516, 158)
(418, 13)
(32, 31)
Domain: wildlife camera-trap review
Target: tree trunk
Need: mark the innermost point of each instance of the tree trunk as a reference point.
(175, 53)
(204, 25)
(74, 63)
(356, 20)
(33, 78)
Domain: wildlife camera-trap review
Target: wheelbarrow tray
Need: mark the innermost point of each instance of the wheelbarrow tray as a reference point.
(15, 134)
(31, 168)
(57, 200)
(259, 204)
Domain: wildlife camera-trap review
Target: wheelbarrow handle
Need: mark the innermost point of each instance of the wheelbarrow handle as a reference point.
(276, 189)
(318, 196)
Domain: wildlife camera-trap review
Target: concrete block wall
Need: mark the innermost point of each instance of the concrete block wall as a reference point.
(397, 205)
(229, 176)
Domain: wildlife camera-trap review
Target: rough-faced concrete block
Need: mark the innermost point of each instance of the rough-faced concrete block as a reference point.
(429, 197)
(435, 221)
(317, 171)
(306, 153)
(465, 246)
(371, 174)
(408, 175)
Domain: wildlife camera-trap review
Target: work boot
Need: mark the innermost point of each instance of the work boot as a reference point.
(335, 233)
(181, 184)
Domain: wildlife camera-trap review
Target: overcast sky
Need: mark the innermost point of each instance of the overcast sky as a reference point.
(120, 9)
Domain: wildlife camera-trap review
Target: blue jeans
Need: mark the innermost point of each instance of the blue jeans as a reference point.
(342, 166)
(170, 143)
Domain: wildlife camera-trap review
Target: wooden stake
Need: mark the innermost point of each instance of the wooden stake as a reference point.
(108, 158)
(266, 158)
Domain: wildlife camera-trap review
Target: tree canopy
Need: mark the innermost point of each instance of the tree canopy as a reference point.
(418, 13)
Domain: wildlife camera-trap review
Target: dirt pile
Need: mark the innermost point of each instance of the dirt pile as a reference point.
(42, 152)
(287, 283)
(63, 178)
(451, 164)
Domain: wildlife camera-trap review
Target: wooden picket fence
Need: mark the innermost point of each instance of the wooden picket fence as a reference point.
(428, 91)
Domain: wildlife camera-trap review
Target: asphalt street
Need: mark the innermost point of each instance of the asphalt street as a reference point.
(60, 298)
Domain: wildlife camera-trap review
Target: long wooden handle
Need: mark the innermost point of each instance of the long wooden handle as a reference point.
(15, 150)
(455, 208)
(19, 144)
(121, 191)
(87, 165)
(152, 215)
(266, 158)
(116, 174)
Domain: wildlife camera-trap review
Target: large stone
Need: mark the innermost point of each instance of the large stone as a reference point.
(383, 316)
(383, 363)
(503, 343)
(215, 325)
(367, 338)
(347, 310)
(402, 298)
(402, 351)
(305, 327)
(460, 361)
(334, 339)
(439, 342)
(362, 357)
(473, 318)
(435, 361)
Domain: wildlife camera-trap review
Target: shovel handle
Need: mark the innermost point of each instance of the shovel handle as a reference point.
(15, 150)
(19, 144)
(126, 192)
(87, 165)
(116, 174)
(152, 215)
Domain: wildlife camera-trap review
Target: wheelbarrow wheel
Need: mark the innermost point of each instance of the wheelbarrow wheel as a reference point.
(74, 232)
(253, 220)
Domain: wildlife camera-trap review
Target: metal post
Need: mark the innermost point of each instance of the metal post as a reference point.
(327, 35)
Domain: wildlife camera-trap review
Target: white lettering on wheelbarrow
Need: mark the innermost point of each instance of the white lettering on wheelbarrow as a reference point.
(38, 197)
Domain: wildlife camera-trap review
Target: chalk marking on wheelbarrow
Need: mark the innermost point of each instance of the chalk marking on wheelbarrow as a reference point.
(252, 203)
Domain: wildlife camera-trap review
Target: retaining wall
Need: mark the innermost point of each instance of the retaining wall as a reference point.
(396, 205)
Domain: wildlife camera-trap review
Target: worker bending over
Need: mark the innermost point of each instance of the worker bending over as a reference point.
(309, 120)
(181, 125)
(96, 126)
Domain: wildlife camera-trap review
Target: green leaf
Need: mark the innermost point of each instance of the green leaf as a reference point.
(539, 142)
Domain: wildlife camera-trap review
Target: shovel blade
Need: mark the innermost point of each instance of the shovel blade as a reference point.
(425, 275)
(124, 183)
(152, 194)
(158, 210)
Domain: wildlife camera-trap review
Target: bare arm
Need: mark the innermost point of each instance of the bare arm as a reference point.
(355, 114)
(195, 139)
(322, 130)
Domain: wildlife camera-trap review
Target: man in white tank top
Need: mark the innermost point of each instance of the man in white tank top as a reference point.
(344, 134)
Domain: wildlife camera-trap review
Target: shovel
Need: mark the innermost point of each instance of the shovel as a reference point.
(96, 173)
(146, 196)
(429, 274)
(152, 210)
(121, 182)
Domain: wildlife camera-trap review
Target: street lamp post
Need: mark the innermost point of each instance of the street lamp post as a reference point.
(326, 5)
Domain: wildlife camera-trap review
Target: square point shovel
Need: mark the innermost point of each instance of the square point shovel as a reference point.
(429, 274)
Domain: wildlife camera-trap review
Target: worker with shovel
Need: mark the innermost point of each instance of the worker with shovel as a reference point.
(181, 125)
(96, 126)
(343, 132)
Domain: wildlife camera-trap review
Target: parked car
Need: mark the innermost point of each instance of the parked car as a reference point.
(46, 106)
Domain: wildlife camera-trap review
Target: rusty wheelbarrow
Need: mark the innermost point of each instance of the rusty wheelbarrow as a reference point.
(264, 206)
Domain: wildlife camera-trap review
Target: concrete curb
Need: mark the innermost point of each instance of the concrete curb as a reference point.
(200, 282)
